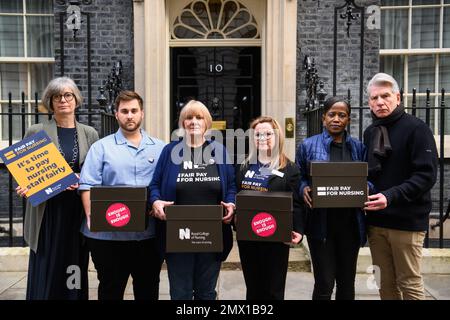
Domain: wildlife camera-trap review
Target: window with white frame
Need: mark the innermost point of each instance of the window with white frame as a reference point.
(415, 49)
(26, 58)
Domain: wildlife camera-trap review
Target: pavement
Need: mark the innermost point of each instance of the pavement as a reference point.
(231, 286)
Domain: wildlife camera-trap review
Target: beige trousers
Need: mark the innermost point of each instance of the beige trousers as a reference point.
(397, 255)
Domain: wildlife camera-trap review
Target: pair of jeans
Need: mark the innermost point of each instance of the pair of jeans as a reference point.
(193, 275)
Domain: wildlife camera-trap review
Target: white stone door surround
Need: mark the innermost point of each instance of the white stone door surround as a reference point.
(278, 23)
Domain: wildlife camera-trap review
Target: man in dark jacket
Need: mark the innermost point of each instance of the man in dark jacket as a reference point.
(402, 160)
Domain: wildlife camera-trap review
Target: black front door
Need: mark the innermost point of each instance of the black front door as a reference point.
(226, 79)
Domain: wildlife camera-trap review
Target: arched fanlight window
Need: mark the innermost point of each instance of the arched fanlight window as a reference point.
(215, 19)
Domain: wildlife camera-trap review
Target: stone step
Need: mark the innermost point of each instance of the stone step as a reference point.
(435, 261)
(16, 259)
(298, 259)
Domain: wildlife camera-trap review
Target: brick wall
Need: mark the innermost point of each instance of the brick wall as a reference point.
(111, 41)
(315, 37)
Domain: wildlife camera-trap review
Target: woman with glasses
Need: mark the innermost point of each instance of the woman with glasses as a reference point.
(268, 169)
(58, 255)
(334, 234)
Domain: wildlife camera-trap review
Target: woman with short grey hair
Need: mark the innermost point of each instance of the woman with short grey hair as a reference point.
(56, 86)
(52, 229)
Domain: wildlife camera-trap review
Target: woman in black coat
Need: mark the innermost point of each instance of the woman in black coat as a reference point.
(268, 169)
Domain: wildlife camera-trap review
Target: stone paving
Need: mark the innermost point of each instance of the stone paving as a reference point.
(231, 286)
(299, 286)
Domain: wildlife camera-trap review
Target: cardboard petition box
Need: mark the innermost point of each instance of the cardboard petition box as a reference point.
(264, 216)
(194, 228)
(118, 208)
(338, 184)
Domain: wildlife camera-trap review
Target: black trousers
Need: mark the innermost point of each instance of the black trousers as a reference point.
(264, 265)
(334, 260)
(115, 261)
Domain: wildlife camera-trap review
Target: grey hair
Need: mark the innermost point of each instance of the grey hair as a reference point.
(383, 79)
(55, 86)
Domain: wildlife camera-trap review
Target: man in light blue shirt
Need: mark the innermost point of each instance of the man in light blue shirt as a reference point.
(127, 157)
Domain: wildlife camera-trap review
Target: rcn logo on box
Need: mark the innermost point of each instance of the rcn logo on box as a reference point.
(187, 234)
(184, 234)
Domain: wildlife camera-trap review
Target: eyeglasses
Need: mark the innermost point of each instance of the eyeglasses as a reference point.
(68, 96)
(266, 135)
